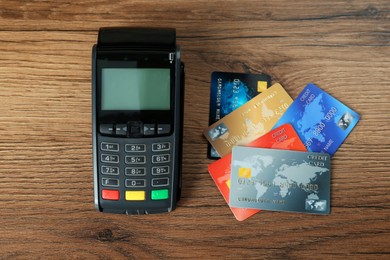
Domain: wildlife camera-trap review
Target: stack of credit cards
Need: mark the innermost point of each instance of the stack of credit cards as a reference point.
(275, 151)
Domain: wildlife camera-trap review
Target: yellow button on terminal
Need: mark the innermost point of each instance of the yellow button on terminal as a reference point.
(135, 195)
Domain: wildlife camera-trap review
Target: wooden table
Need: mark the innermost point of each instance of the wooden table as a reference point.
(46, 182)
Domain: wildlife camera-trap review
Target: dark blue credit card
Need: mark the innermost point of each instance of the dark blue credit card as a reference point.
(229, 91)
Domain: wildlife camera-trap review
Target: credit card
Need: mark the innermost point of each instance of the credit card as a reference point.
(250, 121)
(230, 91)
(284, 137)
(321, 121)
(280, 180)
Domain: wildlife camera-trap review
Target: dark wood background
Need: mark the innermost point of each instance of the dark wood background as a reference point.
(46, 182)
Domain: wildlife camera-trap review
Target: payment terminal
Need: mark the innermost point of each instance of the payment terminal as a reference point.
(137, 120)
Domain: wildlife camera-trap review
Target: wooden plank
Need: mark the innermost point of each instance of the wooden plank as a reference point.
(46, 183)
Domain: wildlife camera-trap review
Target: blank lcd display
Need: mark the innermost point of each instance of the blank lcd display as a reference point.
(135, 89)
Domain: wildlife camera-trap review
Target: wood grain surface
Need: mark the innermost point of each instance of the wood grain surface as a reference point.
(46, 182)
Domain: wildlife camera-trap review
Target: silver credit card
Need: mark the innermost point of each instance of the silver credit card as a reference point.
(280, 180)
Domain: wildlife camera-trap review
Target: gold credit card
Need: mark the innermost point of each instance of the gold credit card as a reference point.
(250, 121)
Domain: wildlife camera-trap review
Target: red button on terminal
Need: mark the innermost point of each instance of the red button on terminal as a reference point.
(110, 194)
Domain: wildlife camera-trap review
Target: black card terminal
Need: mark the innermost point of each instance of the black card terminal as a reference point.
(137, 107)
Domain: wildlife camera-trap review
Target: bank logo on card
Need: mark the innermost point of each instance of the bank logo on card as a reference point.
(315, 205)
(218, 131)
(345, 121)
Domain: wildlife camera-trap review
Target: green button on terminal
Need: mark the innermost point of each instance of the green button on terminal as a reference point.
(159, 194)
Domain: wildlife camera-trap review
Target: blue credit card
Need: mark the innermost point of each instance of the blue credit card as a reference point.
(229, 91)
(280, 180)
(321, 121)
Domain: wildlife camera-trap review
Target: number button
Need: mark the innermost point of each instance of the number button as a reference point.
(160, 170)
(161, 158)
(135, 183)
(111, 147)
(135, 159)
(136, 171)
(161, 147)
(110, 170)
(109, 158)
(132, 148)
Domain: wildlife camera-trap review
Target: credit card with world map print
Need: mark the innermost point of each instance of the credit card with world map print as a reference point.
(284, 137)
(250, 121)
(228, 92)
(321, 121)
(280, 180)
